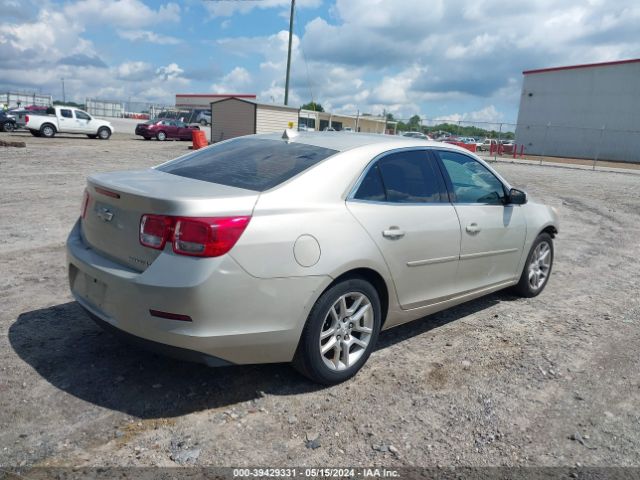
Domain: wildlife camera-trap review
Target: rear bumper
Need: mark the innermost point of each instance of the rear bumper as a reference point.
(236, 318)
(161, 348)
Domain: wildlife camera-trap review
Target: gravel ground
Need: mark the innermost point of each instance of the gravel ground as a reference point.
(549, 381)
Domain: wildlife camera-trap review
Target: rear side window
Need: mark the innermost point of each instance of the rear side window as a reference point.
(249, 163)
(66, 113)
(403, 177)
(372, 188)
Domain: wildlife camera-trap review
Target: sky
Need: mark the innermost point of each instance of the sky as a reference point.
(457, 60)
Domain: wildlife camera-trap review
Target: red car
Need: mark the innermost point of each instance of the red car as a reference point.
(165, 128)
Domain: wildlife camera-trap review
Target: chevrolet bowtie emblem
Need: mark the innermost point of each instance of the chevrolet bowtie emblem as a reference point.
(104, 214)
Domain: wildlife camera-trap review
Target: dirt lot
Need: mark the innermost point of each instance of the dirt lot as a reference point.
(548, 381)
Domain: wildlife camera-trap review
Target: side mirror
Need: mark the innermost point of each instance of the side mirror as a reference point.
(517, 197)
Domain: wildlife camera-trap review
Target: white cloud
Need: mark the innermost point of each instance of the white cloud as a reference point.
(236, 81)
(148, 36)
(230, 8)
(121, 13)
(37, 50)
(488, 114)
(170, 72)
(134, 71)
(408, 57)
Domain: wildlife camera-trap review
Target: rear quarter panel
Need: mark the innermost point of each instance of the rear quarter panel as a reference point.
(313, 203)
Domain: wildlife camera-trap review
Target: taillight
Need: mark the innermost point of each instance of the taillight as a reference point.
(26, 119)
(207, 237)
(85, 204)
(155, 230)
(193, 236)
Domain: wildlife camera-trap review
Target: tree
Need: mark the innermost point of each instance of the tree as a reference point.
(316, 107)
(414, 123)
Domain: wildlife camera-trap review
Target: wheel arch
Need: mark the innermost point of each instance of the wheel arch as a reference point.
(550, 229)
(55, 129)
(374, 278)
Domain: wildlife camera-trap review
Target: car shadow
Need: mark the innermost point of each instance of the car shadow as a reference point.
(27, 134)
(72, 353)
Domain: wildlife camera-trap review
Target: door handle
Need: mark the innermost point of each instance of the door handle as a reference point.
(473, 228)
(393, 233)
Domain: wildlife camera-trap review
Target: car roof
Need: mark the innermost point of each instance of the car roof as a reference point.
(342, 141)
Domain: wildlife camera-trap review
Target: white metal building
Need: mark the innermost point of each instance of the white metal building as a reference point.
(582, 111)
(234, 117)
(13, 99)
(104, 108)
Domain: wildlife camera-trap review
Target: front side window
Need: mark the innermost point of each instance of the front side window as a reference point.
(472, 182)
(403, 177)
(249, 163)
(82, 116)
(66, 113)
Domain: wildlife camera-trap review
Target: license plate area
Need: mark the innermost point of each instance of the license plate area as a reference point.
(91, 289)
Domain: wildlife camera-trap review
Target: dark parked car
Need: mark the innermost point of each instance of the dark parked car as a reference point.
(7, 122)
(163, 129)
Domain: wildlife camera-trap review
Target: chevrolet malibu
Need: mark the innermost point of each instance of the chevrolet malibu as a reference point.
(300, 247)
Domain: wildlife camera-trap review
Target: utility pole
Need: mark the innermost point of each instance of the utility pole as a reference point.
(286, 85)
(64, 99)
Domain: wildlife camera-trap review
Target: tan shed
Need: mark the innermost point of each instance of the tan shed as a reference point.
(234, 117)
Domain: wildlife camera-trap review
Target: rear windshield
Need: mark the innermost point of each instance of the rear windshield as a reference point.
(249, 163)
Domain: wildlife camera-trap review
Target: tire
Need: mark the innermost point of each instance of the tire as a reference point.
(35, 133)
(161, 136)
(92, 136)
(9, 127)
(330, 318)
(539, 264)
(104, 133)
(47, 130)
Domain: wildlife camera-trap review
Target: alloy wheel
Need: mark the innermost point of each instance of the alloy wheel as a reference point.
(346, 331)
(539, 265)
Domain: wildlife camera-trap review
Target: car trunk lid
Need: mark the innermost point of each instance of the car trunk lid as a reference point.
(118, 200)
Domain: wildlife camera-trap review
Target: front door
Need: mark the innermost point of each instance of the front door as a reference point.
(184, 132)
(492, 233)
(403, 205)
(67, 122)
(84, 123)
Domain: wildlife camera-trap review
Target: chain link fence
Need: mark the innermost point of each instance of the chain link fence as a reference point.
(549, 143)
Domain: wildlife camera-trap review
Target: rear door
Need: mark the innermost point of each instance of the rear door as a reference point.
(492, 233)
(402, 203)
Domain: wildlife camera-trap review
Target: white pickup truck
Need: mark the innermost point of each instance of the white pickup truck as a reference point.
(67, 120)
